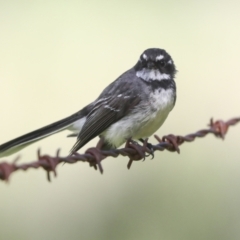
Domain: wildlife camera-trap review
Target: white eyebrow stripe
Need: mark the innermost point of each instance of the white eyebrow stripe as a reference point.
(158, 58)
(145, 56)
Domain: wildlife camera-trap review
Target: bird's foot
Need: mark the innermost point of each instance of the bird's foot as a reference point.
(149, 147)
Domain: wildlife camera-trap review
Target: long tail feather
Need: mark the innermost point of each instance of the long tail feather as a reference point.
(19, 143)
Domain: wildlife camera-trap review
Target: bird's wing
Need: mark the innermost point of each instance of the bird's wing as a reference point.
(104, 113)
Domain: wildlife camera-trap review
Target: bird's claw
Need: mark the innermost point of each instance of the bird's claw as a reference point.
(151, 150)
(149, 146)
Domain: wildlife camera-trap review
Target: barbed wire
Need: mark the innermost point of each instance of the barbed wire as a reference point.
(132, 149)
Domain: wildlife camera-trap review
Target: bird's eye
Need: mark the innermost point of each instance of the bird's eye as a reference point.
(144, 63)
(162, 63)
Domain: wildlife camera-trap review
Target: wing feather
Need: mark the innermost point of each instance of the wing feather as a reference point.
(102, 116)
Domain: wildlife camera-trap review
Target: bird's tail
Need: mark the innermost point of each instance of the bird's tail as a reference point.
(19, 143)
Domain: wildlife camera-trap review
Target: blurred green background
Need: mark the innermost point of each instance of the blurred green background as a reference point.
(57, 56)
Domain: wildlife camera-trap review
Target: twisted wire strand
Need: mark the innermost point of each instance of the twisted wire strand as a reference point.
(135, 152)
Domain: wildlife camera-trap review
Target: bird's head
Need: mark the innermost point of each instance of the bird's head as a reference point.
(155, 64)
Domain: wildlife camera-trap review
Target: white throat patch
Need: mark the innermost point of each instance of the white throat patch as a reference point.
(152, 74)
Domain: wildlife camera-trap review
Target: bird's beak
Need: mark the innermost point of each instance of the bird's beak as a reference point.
(151, 65)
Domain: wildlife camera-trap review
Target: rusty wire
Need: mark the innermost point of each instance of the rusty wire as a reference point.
(132, 149)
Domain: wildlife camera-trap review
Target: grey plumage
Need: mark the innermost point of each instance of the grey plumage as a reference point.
(135, 105)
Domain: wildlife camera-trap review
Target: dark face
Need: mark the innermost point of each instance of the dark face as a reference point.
(155, 64)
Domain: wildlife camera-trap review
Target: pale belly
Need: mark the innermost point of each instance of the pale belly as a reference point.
(142, 122)
(152, 125)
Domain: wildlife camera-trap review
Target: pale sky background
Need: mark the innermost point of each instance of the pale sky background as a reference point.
(57, 56)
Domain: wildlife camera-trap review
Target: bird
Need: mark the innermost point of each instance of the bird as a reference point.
(134, 106)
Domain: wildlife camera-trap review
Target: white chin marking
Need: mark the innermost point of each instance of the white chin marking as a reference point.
(152, 74)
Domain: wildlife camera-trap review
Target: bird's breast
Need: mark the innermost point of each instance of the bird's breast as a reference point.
(143, 120)
(160, 103)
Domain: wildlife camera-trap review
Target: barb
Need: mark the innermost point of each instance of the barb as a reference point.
(132, 150)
